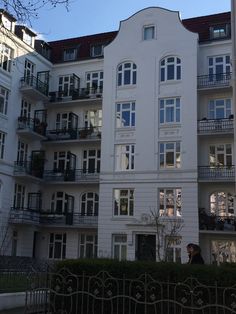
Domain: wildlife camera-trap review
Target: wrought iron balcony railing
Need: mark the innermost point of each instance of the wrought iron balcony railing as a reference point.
(28, 168)
(32, 125)
(208, 126)
(217, 223)
(74, 133)
(72, 175)
(214, 80)
(224, 173)
(35, 83)
(29, 216)
(79, 93)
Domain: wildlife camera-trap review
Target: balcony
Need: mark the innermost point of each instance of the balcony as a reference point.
(220, 80)
(31, 128)
(94, 93)
(33, 88)
(25, 169)
(72, 175)
(93, 133)
(217, 223)
(216, 126)
(216, 173)
(33, 217)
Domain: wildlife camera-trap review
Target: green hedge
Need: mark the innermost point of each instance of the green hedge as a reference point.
(224, 275)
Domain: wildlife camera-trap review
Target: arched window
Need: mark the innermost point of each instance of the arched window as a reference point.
(89, 204)
(126, 74)
(62, 203)
(222, 204)
(170, 69)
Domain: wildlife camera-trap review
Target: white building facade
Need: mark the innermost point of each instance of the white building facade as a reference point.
(119, 145)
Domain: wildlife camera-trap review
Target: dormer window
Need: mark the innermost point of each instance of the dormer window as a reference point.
(7, 20)
(70, 54)
(27, 39)
(220, 31)
(97, 50)
(148, 32)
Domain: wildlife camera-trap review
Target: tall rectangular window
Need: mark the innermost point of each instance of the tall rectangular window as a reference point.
(19, 196)
(219, 108)
(124, 157)
(91, 161)
(6, 55)
(120, 246)
(88, 246)
(220, 155)
(170, 110)
(173, 249)
(170, 156)
(125, 115)
(4, 94)
(2, 144)
(149, 32)
(94, 82)
(57, 246)
(123, 202)
(170, 203)
(66, 85)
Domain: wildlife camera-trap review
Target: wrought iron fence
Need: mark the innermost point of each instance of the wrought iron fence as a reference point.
(35, 83)
(67, 293)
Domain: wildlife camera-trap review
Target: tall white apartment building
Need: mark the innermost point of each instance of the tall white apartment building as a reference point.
(102, 135)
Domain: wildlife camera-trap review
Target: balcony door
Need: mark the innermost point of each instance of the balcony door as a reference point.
(220, 155)
(218, 66)
(145, 247)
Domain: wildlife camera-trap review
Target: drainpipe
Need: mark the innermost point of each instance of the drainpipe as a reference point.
(233, 82)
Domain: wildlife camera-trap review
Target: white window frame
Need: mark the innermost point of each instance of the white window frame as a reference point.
(28, 39)
(220, 31)
(87, 242)
(167, 148)
(66, 85)
(170, 202)
(149, 32)
(93, 118)
(29, 70)
(222, 204)
(69, 54)
(223, 251)
(167, 63)
(123, 109)
(57, 239)
(88, 155)
(57, 198)
(123, 204)
(89, 204)
(172, 106)
(62, 120)
(216, 61)
(22, 152)
(220, 103)
(4, 95)
(94, 82)
(6, 56)
(126, 74)
(173, 245)
(100, 52)
(19, 196)
(215, 150)
(119, 243)
(2, 144)
(61, 160)
(125, 157)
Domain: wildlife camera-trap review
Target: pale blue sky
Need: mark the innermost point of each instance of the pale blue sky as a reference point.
(87, 17)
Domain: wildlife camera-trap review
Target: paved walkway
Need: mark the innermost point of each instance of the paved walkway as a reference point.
(13, 311)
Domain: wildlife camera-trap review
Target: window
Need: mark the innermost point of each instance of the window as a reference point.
(170, 203)
(220, 155)
(127, 74)
(91, 161)
(63, 121)
(70, 54)
(2, 144)
(93, 118)
(120, 246)
(27, 38)
(125, 115)
(19, 196)
(170, 69)
(61, 161)
(62, 203)
(25, 108)
(94, 82)
(217, 66)
(173, 249)
(6, 55)
(148, 32)
(67, 85)
(170, 156)
(223, 251)
(22, 152)
(220, 31)
(4, 94)
(124, 157)
(97, 50)
(89, 204)
(88, 246)
(29, 70)
(170, 110)
(219, 108)
(222, 204)
(123, 202)
(57, 245)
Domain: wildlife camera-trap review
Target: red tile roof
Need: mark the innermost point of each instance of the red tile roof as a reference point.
(200, 25)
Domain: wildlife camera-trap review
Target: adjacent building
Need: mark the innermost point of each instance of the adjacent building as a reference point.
(120, 144)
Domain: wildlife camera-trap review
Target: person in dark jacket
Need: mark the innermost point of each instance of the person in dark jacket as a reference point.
(194, 254)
